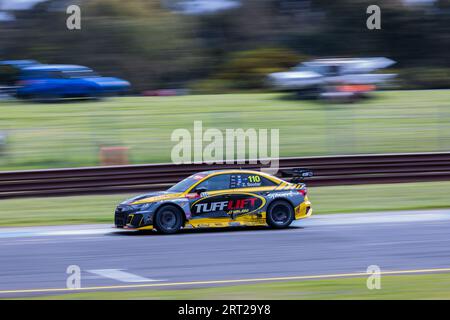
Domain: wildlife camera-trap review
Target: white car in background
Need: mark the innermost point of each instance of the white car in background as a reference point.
(333, 77)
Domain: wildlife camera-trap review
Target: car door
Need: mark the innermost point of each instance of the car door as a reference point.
(212, 202)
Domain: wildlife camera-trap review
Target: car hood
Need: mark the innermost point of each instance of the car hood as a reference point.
(108, 81)
(153, 197)
(294, 75)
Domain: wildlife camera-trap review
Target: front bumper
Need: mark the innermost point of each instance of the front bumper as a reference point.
(125, 217)
(129, 220)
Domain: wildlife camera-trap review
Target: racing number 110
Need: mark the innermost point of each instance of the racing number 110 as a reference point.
(253, 179)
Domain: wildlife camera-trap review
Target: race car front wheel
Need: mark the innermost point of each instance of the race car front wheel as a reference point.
(280, 214)
(168, 220)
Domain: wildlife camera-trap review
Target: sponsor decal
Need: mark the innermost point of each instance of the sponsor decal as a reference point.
(281, 194)
(159, 198)
(192, 196)
(234, 205)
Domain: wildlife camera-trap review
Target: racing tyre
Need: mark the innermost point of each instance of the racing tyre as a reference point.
(168, 220)
(280, 214)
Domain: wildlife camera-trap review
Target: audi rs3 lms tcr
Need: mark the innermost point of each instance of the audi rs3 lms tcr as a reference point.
(219, 199)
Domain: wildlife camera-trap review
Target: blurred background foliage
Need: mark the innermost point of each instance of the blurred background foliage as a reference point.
(154, 47)
(248, 69)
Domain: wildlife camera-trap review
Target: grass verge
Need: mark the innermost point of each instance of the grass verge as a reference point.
(71, 134)
(425, 286)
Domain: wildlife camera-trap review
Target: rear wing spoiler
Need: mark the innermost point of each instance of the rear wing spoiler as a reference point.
(297, 174)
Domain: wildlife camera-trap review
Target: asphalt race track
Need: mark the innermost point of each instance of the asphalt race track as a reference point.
(37, 258)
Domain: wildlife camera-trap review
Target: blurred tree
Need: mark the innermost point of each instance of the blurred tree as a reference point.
(248, 69)
(134, 39)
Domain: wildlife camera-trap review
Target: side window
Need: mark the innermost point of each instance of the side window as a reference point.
(219, 182)
(249, 180)
(56, 75)
(331, 70)
(35, 75)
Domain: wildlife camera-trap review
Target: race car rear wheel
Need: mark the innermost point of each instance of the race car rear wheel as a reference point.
(168, 219)
(280, 214)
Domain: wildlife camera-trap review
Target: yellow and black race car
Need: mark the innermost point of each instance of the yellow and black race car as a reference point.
(219, 199)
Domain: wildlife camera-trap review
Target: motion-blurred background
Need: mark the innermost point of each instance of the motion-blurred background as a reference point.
(223, 45)
(187, 47)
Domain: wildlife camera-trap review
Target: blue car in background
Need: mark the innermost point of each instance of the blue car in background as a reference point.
(52, 82)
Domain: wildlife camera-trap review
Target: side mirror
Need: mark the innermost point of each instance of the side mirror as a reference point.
(200, 190)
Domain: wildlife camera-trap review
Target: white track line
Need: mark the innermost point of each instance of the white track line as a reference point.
(80, 230)
(374, 218)
(120, 275)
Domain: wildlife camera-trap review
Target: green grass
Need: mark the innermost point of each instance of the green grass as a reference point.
(100, 208)
(429, 286)
(71, 134)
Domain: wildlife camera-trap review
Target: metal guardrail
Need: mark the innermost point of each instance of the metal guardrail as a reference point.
(328, 171)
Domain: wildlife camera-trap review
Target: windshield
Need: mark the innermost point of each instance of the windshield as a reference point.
(185, 184)
(60, 74)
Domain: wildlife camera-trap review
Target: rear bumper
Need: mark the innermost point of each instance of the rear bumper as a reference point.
(304, 210)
